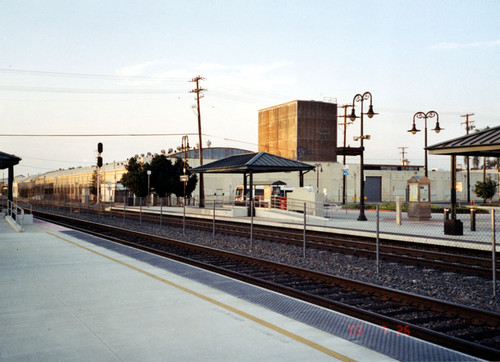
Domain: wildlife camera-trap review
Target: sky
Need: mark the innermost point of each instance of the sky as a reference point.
(118, 67)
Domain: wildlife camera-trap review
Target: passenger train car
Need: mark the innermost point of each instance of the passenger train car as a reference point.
(264, 195)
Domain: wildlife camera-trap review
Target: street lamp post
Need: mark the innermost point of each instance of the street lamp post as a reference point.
(360, 98)
(414, 130)
(185, 148)
(149, 187)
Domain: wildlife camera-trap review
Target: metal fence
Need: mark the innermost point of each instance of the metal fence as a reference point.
(479, 226)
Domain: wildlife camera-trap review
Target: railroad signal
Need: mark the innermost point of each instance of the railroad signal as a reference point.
(99, 151)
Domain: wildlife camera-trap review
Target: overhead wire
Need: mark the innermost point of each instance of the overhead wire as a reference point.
(97, 135)
(82, 75)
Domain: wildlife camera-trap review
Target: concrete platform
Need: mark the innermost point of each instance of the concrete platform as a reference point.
(65, 295)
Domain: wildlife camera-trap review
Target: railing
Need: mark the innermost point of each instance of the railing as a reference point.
(16, 212)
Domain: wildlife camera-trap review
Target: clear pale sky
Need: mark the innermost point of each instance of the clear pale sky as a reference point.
(123, 67)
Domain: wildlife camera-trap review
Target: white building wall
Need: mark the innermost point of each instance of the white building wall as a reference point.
(327, 181)
(394, 183)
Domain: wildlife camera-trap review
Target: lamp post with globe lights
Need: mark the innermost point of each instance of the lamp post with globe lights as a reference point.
(361, 98)
(414, 130)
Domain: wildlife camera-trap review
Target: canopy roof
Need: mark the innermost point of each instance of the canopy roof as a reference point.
(485, 143)
(260, 162)
(7, 160)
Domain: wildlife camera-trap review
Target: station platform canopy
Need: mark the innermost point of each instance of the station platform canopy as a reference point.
(7, 160)
(260, 162)
(485, 144)
(252, 163)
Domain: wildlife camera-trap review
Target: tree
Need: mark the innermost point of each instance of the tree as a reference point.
(162, 181)
(136, 177)
(93, 183)
(164, 178)
(190, 184)
(485, 190)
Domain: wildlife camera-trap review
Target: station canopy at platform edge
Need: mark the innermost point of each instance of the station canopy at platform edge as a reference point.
(7, 160)
(484, 144)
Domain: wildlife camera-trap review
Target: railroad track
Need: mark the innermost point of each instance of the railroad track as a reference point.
(451, 259)
(469, 330)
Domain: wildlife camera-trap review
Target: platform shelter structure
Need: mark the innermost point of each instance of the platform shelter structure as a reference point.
(8, 161)
(483, 144)
(250, 163)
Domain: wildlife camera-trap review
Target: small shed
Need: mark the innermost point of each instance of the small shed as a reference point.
(8, 161)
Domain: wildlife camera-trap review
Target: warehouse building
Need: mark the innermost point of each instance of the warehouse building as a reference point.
(300, 130)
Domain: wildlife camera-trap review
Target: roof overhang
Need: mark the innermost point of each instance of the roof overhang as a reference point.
(260, 162)
(484, 144)
(7, 160)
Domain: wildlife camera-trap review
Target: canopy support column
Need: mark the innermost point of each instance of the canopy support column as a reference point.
(453, 226)
(10, 183)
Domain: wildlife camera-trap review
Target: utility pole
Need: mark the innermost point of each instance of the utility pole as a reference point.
(469, 126)
(199, 94)
(345, 124)
(404, 161)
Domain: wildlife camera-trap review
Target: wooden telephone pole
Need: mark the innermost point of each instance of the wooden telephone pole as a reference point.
(469, 126)
(345, 124)
(404, 161)
(199, 94)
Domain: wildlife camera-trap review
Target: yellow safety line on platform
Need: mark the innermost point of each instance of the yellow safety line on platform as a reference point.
(222, 305)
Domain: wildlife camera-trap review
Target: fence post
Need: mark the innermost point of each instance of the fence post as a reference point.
(124, 205)
(213, 227)
(184, 218)
(161, 211)
(472, 220)
(378, 240)
(493, 257)
(140, 210)
(305, 225)
(251, 223)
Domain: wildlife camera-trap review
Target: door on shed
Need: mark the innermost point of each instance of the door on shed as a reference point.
(373, 188)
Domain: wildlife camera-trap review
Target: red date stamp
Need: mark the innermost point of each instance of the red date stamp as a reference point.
(355, 330)
(400, 329)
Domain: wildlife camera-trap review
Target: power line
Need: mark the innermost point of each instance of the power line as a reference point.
(82, 75)
(98, 135)
(88, 91)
